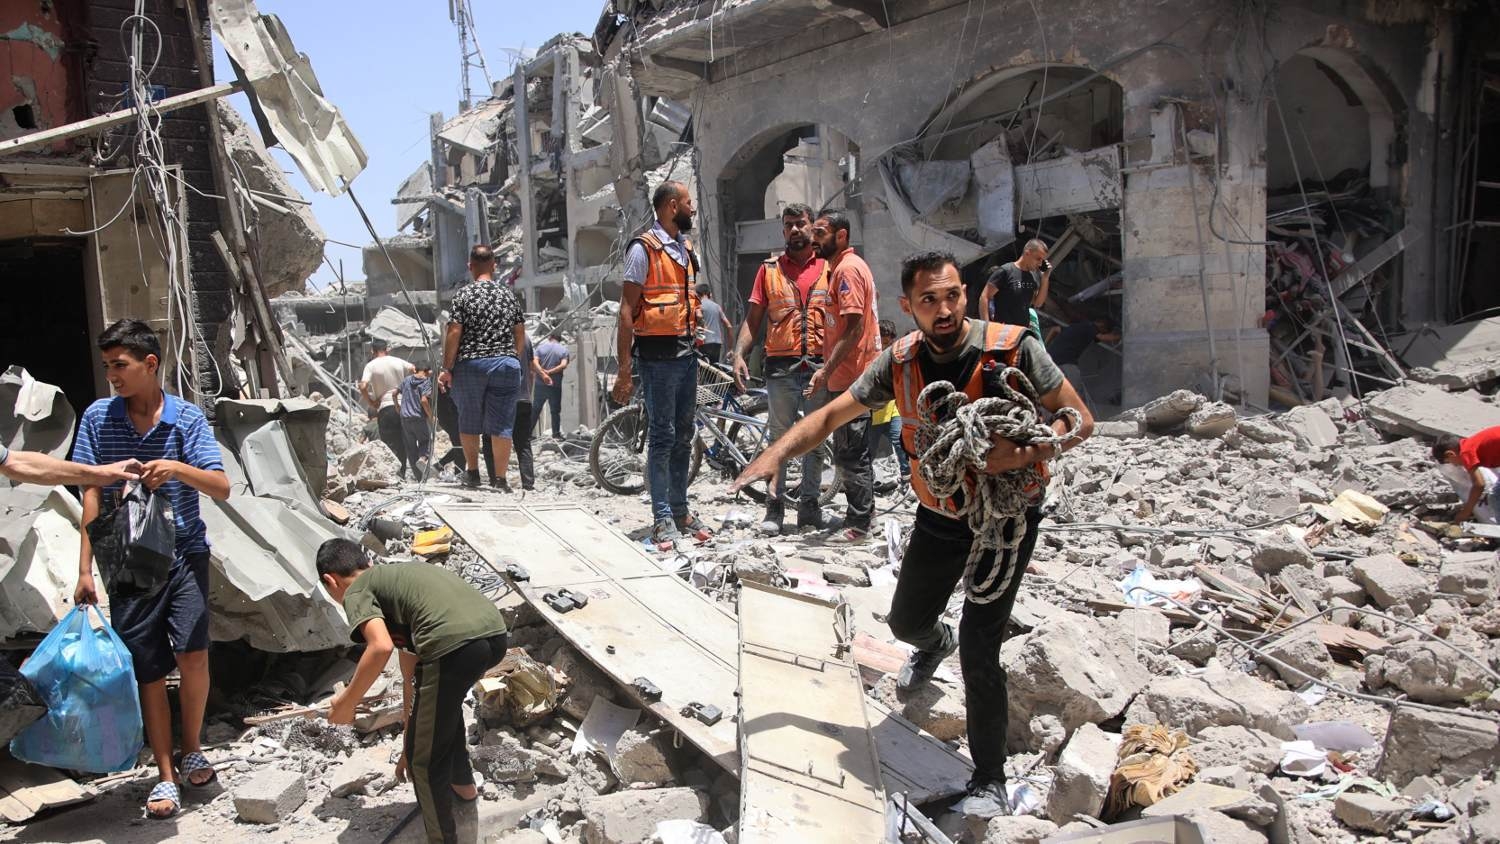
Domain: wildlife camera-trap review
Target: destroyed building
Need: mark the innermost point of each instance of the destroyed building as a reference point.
(1176, 157)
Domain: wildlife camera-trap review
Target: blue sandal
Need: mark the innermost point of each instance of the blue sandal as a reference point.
(164, 791)
(191, 764)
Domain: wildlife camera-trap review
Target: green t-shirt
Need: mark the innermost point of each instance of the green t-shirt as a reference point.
(429, 610)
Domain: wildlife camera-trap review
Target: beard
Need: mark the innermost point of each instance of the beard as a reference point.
(946, 337)
(683, 221)
(827, 251)
(797, 244)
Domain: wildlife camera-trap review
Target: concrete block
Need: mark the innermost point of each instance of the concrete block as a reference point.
(1473, 576)
(1449, 746)
(629, 817)
(1081, 778)
(270, 796)
(1368, 812)
(1389, 581)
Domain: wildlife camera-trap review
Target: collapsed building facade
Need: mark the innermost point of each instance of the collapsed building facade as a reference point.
(1192, 164)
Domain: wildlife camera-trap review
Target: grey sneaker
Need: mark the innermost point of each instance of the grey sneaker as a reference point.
(921, 665)
(984, 800)
(665, 535)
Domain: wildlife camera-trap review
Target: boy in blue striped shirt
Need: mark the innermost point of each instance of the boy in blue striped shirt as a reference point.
(166, 627)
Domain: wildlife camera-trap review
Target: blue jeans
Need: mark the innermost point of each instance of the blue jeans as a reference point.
(784, 388)
(670, 389)
(549, 396)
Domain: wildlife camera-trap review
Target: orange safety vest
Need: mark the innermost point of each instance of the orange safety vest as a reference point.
(1000, 346)
(668, 306)
(795, 327)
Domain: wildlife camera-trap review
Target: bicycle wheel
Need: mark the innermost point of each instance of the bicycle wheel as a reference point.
(617, 455)
(748, 441)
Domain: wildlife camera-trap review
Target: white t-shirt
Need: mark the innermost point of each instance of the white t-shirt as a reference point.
(384, 375)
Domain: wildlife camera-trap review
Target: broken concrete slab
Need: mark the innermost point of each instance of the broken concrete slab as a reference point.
(1422, 409)
(1171, 411)
(935, 707)
(1263, 430)
(1218, 698)
(1080, 669)
(1369, 812)
(1018, 829)
(1212, 420)
(1274, 551)
(1311, 427)
(1449, 746)
(270, 796)
(1473, 576)
(1148, 625)
(1080, 780)
(1389, 581)
(1456, 356)
(1304, 651)
(643, 757)
(629, 817)
(1428, 672)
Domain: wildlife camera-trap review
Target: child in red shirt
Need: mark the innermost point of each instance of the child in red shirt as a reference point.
(1479, 455)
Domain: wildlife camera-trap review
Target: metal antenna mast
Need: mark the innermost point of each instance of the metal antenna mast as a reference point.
(470, 56)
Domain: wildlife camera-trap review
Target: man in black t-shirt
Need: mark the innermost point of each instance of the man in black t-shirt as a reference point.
(1067, 344)
(1014, 288)
(964, 352)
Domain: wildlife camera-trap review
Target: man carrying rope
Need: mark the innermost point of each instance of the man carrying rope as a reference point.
(978, 454)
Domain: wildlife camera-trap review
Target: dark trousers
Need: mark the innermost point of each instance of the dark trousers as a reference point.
(550, 396)
(389, 420)
(455, 456)
(851, 453)
(437, 751)
(417, 437)
(932, 566)
(520, 441)
(713, 351)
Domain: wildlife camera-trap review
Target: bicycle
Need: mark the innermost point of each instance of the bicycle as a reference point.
(728, 433)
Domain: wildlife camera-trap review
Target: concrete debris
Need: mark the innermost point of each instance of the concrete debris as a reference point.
(630, 817)
(1369, 812)
(371, 466)
(1304, 651)
(1390, 582)
(270, 796)
(1019, 829)
(1219, 698)
(1429, 672)
(1263, 430)
(936, 707)
(584, 681)
(1449, 746)
(1082, 670)
(1214, 419)
(1311, 427)
(643, 758)
(503, 757)
(1275, 551)
(1422, 409)
(1474, 576)
(1080, 780)
(1170, 412)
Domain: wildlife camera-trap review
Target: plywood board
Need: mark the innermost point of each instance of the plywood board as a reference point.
(26, 790)
(809, 770)
(662, 628)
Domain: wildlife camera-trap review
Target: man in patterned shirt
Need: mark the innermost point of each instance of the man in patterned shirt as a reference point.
(481, 362)
(167, 627)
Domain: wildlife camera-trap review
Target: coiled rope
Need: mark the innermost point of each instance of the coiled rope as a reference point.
(953, 439)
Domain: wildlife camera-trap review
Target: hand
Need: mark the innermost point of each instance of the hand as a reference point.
(158, 472)
(85, 593)
(546, 379)
(762, 468)
(1464, 514)
(401, 768)
(1006, 456)
(816, 382)
(623, 387)
(341, 708)
(741, 373)
(445, 380)
(125, 470)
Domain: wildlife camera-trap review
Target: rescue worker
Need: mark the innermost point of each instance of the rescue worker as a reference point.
(970, 353)
(658, 330)
(790, 295)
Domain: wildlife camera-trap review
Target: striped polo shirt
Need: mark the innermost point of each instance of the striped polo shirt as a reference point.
(106, 435)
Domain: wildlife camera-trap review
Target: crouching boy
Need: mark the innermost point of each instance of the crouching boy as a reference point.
(449, 635)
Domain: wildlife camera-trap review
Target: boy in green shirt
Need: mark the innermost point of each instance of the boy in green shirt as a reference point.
(449, 635)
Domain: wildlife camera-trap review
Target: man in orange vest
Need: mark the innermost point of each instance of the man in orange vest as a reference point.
(659, 327)
(972, 354)
(791, 294)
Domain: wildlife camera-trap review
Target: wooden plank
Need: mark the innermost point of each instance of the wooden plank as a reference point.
(809, 775)
(114, 118)
(662, 628)
(26, 790)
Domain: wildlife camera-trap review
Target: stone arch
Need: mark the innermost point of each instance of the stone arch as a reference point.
(1352, 96)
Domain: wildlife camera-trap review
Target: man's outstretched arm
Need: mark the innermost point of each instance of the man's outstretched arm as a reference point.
(33, 467)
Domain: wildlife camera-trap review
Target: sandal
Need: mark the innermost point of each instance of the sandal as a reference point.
(191, 764)
(164, 791)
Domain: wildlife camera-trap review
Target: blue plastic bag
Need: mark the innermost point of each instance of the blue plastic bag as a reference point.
(93, 720)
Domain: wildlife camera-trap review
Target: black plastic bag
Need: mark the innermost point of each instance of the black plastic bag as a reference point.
(20, 703)
(135, 542)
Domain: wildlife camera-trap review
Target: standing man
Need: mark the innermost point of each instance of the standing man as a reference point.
(853, 342)
(969, 353)
(1016, 289)
(791, 292)
(532, 377)
(166, 628)
(659, 327)
(716, 327)
(415, 400)
(481, 361)
(449, 635)
(553, 357)
(382, 375)
(885, 424)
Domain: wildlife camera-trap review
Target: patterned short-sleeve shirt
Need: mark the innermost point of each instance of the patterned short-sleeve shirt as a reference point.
(489, 312)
